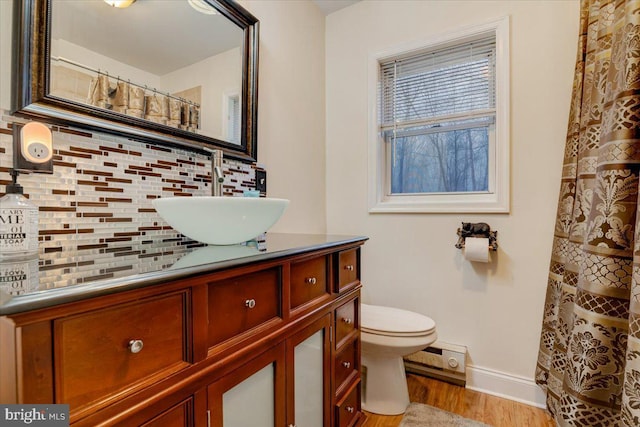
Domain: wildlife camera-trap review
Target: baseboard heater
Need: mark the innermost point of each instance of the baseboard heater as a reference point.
(442, 361)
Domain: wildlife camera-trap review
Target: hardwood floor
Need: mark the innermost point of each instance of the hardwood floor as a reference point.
(492, 410)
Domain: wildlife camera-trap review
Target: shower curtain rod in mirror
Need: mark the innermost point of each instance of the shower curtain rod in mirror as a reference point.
(106, 73)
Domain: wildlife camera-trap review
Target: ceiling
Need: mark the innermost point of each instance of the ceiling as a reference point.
(155, 36)
(330, 6)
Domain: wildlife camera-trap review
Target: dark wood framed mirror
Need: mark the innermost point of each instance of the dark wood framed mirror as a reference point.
(180, 73)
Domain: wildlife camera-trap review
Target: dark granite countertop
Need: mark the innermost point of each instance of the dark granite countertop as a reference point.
(31, 284)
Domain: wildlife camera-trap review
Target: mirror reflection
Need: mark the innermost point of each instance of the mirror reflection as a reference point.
(140, 62)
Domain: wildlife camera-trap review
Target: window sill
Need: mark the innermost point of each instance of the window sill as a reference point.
(441, 203)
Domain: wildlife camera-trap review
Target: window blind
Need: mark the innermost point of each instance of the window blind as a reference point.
(445, 84)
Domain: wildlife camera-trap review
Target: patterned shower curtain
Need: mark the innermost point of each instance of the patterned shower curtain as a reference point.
(589, 359)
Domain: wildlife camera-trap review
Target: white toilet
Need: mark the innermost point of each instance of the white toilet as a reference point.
(389, 334)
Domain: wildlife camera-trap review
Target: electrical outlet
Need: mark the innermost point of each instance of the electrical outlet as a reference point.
(39, 152)
(34, 156)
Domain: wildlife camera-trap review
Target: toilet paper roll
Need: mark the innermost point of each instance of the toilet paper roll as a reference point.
(476, 249)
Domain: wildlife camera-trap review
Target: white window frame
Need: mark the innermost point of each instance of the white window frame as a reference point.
(227, 97)
(496, 200)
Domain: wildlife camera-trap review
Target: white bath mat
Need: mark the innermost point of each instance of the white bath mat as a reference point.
(420, 415)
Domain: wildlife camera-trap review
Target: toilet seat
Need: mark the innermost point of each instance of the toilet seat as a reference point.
(394, 322)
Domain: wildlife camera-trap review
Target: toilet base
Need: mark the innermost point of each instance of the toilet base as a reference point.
(385, 390)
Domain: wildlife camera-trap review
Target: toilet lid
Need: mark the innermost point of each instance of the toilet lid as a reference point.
(391, 321)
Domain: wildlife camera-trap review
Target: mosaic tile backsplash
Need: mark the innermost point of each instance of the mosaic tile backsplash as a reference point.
(98, 202)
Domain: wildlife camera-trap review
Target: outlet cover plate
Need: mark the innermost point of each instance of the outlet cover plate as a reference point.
(261, 181)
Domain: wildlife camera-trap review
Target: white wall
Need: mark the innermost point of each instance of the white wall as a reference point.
(410, 260)
(217, 75)
(291, 109)
(115, 68)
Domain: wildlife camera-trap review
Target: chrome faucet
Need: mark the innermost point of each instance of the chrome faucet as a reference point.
(217, 176)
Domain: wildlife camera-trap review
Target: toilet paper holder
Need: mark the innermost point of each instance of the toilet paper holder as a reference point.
(477, 229)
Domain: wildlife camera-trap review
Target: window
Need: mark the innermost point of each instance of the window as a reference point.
(232, 117)
(441, 136)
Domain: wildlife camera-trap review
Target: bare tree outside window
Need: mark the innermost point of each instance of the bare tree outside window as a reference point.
(443, 162)
(438, 113)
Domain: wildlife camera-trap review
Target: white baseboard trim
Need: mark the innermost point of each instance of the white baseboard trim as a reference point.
(508, 386)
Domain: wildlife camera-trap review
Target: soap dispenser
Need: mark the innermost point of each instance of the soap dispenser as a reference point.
(18, 223)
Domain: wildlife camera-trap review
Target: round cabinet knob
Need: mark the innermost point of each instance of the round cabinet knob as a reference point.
(348, 267)
(347, 320)
(250, 303)
(135, 346)
(311, 280)
(346, 364)
(350, 409)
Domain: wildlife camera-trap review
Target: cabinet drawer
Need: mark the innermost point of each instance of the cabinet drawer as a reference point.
(347, 409)
(346, 365)
(180, 415)
(241, 303)
(348, 269)
(308, 281)
(346, 320)
(106, 351)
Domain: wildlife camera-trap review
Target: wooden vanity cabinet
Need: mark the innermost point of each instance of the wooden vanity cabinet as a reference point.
(179, 415)
(286, 385)
(279, 339)
(309, 375)
(346, 362)
(309, 282)
(347, 347)
(347, 272)
(240, 305)
(104, 351)
(251, 395)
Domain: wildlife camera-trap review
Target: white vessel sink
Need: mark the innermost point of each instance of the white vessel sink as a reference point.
(220, 220)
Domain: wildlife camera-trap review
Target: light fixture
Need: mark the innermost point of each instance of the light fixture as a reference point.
(120, 3)
(203, 7)
(33, 147)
